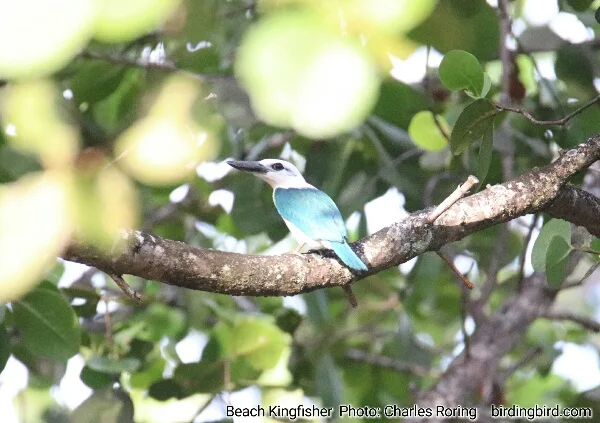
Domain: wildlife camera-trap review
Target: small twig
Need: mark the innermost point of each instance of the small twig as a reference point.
(457, 272)
(559, 122)
(107, 325)
(350, 295)
(587, 250)
(586, 323)
(464, 301)
(141, 63)
(527, 358)
(463, 316)
(427, 87)
(491, 281)
(452, 198)
(436, 119)
(129, 291)
(589, 272)
(387, 362)
(540, 77)
(203, 407)
(523, 255)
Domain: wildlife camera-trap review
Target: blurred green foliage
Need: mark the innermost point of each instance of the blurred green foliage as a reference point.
(108, 109)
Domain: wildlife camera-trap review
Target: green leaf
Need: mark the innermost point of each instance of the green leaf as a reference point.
(461, 70)
(4, 347)
(575, 65)
(48, 324)
(556, 261)
(160, 320)
(398, 103)
(284, 89)
(317, 308)
(472, 124)
(152, 372)
(95, 379)
(90, 300)
(447, 28)
(329, 381)
(114, 366)
(204, 377)
(554, 227)
(425, 132)
(580, 5)
(107, 405)
(485, 153)
(487, 84)
(95, 80)
(259, 341)
(595, 244)
(165, 389)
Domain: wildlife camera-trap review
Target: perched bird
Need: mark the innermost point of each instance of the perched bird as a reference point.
(311, 215)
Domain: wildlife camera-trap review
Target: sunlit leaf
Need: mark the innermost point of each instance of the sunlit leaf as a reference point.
(48, 324)
(279, 375)
(31, 108)
(328, 86)
(123, 21)
(554, 227)
(425, 132)
(142, 379)
(447, 28)
(44, 35)
(166, 146)
(35, 224)
(259, 341)
(461, 70)
(105, 202)
(392, 15)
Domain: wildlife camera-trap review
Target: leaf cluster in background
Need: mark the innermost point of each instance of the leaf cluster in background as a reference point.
(120, 114)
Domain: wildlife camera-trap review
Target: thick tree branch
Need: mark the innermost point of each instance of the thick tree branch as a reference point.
(179, 264)
(490, 342)
(577, 206)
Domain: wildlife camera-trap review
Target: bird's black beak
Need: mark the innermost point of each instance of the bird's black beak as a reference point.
(247, 166)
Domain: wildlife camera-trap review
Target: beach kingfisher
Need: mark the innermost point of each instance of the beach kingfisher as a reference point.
(311, 215)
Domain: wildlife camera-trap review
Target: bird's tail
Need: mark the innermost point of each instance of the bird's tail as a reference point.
(349, 257)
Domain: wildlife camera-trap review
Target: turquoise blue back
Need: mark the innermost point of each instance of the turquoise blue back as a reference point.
(316, 215)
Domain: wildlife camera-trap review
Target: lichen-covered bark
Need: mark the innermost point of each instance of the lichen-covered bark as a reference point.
(179, 264)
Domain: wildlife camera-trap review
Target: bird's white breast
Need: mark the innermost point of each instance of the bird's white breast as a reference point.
(301, 237)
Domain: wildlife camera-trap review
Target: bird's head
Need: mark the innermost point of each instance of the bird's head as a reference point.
(277, 173)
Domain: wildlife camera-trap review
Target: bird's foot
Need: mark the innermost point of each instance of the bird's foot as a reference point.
(323, 252)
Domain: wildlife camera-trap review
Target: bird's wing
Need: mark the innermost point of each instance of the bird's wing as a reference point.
(312, 211)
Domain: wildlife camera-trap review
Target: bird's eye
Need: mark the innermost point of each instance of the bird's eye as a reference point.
(277, 166)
